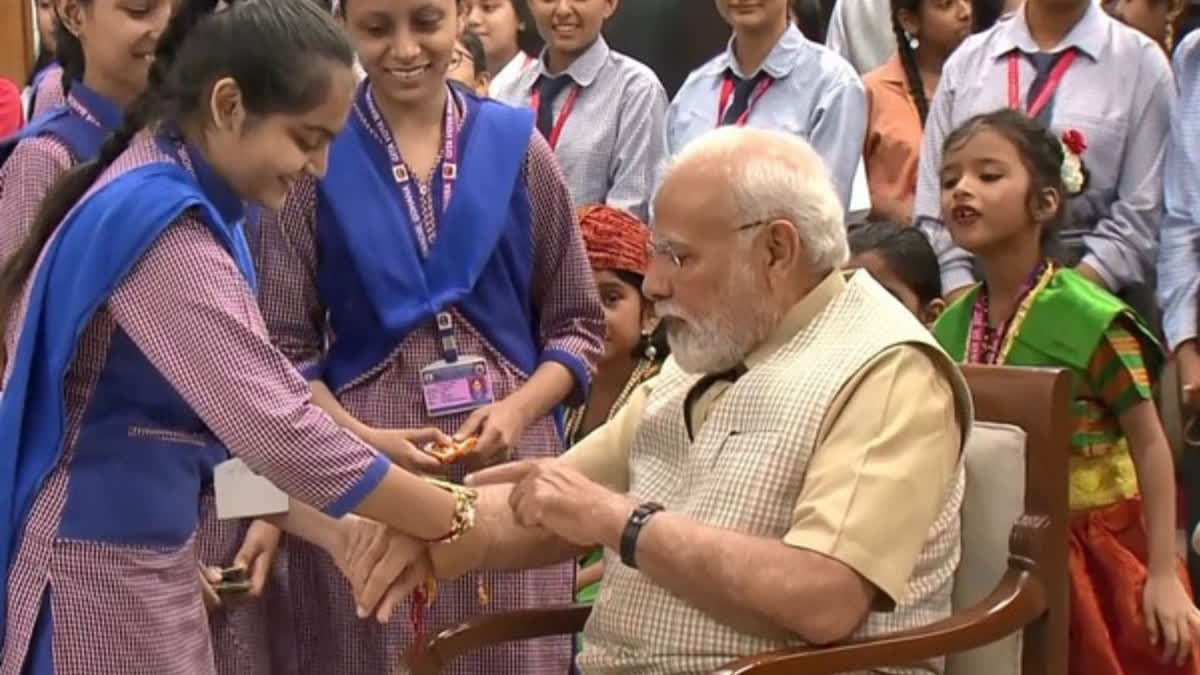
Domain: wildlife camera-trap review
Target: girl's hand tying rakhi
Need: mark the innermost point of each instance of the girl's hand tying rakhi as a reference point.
(383, 566)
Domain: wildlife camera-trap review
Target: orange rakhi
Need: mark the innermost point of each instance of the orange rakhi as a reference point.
(452, 452)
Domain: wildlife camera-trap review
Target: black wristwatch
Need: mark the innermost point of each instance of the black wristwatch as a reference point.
(633, 527)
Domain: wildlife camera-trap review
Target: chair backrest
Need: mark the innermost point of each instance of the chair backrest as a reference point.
(995, 498)
(1016, 463)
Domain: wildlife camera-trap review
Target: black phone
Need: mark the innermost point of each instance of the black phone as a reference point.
(234, 580)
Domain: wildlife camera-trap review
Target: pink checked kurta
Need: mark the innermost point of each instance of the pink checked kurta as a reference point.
(241, 630)
(330, 638)
(137, 611)
(49, 92)
(32, 168)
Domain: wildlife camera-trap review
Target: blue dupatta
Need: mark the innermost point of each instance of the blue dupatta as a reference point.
(93, 250)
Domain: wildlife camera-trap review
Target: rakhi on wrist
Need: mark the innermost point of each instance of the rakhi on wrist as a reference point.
(423, 596)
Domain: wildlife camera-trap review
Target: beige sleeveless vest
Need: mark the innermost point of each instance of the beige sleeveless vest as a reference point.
(744, 472)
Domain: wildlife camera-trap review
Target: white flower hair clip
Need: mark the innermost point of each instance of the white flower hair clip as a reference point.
(1073, 145)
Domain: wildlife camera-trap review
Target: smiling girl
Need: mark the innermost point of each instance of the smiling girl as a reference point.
(601, 111)
(512, 44)
(440, 248)
(137, 358)
(898, 95)
(105, 47)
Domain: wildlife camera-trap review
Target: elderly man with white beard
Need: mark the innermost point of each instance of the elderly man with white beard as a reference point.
(792, 476)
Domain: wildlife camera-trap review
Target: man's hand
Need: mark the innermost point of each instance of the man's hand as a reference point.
(257, 555)
(570, 505)
(382, 565)
(512, 472)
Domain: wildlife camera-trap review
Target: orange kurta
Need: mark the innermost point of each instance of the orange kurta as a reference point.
(893, 142)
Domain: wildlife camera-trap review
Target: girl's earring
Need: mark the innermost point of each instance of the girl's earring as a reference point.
(913, 42)
(650, 352)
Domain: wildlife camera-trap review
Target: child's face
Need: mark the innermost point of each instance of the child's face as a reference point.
(986, 194)
(45, 25)
(873, 263)
(623, 314)
(570, 26)
(882, 272)
(752, 15)
(1148, 16)
(497, 25)
(262, 157)
(118, 39)
(462, 69)
(405, 46)
(940, 24)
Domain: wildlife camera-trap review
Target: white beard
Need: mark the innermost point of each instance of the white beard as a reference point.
(721, 340)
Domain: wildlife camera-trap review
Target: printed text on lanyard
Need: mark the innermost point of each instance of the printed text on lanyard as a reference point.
(410, 188)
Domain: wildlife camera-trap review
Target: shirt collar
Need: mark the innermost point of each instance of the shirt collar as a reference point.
(800, 315)
(892, 71)
(586, 67)
(1087, 35)
(783, 58)
(228, 203)
(106, 113)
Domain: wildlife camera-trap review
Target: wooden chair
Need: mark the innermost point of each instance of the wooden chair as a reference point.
(1010, 598)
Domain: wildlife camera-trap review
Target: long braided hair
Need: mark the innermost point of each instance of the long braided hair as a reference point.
(271, 48)
(908, 57)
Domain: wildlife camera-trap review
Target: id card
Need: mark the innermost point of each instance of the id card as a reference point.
(456, 387)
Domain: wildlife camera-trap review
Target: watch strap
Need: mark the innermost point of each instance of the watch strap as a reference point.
(633, 528)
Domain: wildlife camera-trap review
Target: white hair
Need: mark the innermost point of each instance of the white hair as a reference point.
(774, 176)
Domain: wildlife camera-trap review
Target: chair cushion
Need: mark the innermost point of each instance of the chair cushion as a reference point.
(994, 500)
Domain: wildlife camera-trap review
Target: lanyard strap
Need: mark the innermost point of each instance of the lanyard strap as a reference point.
(727, 87)
(535, 102)
(1052, 81)
(445, 329)
(409, 185)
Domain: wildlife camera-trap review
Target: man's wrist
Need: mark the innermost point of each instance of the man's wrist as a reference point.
(617, 514)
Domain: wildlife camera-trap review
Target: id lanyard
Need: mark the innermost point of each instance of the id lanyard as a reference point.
(1047, 91)
(413, 196)
(535, 102)
(727, 87)
(409, 185)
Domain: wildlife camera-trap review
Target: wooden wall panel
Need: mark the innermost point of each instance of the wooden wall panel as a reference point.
(16, 39)
(673, 37)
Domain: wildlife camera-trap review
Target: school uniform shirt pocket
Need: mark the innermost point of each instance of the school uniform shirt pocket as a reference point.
(1105, 152)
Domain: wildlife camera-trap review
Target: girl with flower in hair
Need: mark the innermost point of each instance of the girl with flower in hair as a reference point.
(1131, 611)
(1060, 62)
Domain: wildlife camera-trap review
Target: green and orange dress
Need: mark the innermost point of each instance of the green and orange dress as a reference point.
(1065, 321)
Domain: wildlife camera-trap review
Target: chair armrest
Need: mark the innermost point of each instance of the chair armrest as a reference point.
(1019, 599)
(492, 629)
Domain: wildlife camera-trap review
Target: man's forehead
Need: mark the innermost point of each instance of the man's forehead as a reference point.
(688, 203)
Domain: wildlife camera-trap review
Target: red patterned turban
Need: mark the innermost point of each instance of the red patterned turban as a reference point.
(615, 239)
